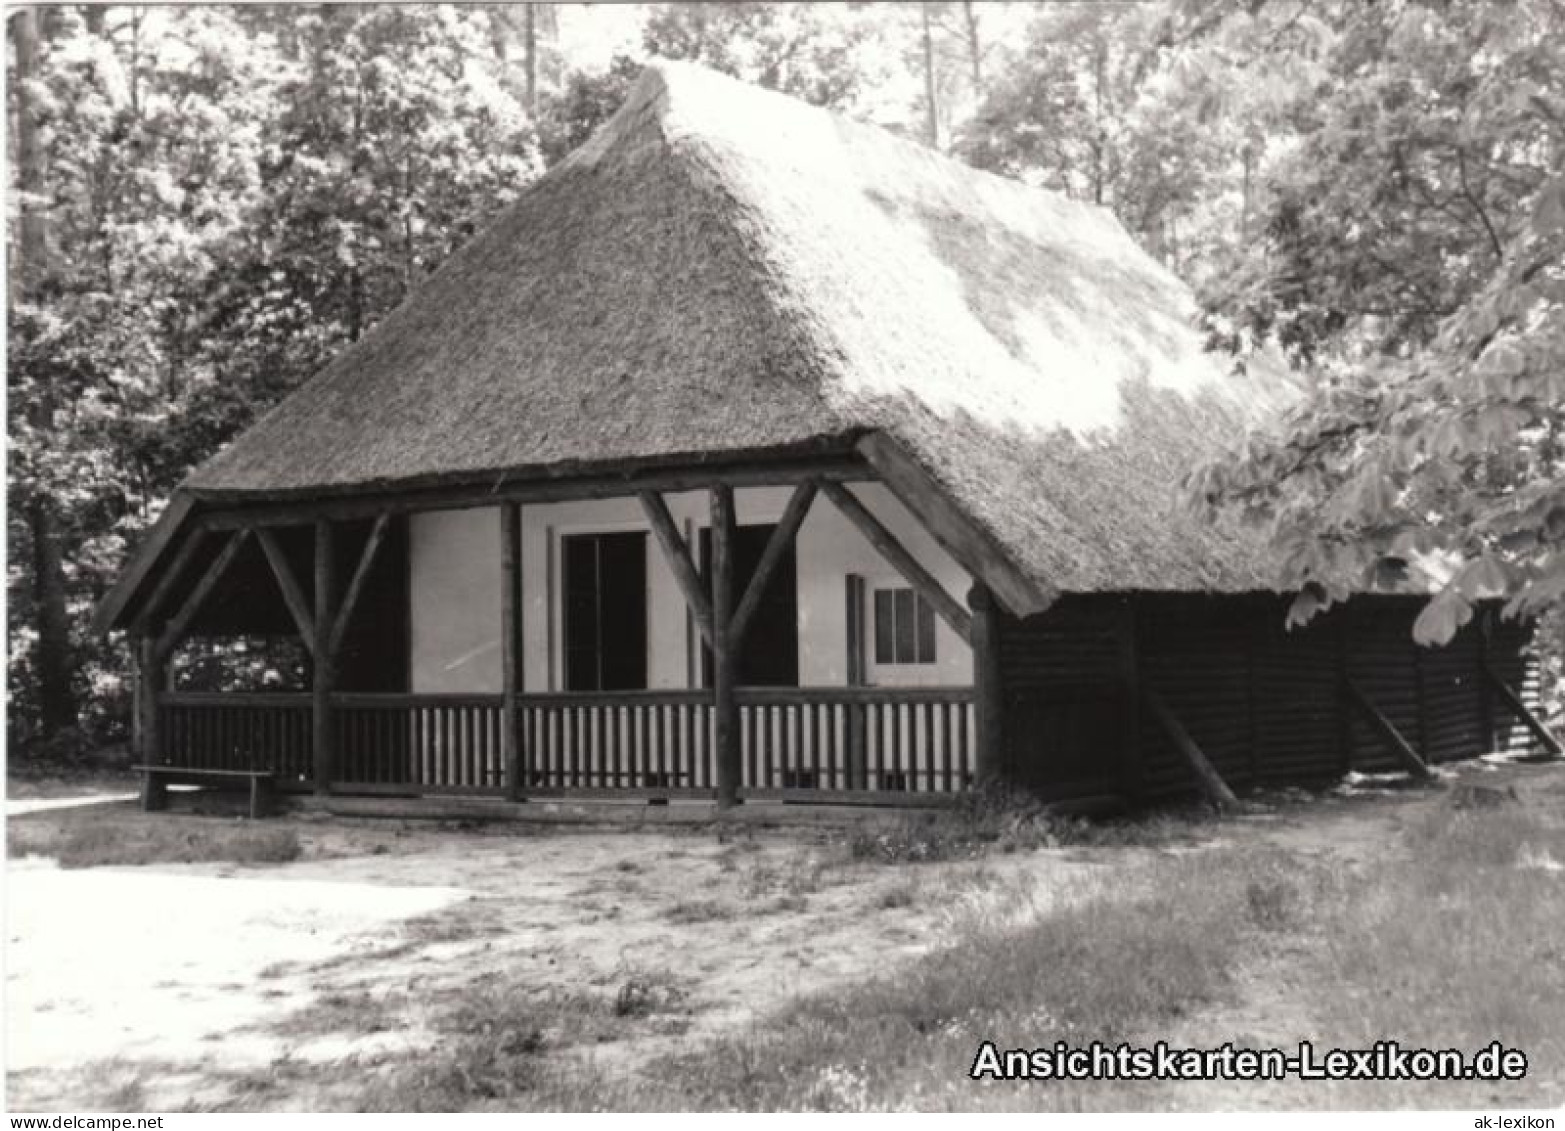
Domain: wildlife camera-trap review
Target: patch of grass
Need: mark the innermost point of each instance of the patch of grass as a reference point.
(1453, 943)
(1009, 820)
(900, 895)
(81, 844)
(798, 874)
(645, 991)
(471, 920)
(1103, 968)
(497, 1040)
(699, 911)
(355, 1011)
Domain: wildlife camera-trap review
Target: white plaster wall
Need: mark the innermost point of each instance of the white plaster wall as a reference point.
(456, 591)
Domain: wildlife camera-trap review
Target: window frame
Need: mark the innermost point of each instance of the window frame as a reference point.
(909, 639)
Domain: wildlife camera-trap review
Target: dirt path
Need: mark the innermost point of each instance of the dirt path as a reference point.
(177, 985)
(173, 987)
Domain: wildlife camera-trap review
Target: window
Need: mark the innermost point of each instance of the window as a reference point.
(605, 599)
(904, 628)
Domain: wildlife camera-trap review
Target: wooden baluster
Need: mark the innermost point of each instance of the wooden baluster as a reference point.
(927, 751)
(616, 751)
(945, 747)
(898, 765)
(771, 745)
(658, 757)
(817, 741)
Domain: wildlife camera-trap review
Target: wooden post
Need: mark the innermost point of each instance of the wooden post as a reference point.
(1486, 714)
(858, 768)
(293, 594)
(1390, 737)
(988, 692)
(325, 660)
(776, 546)
(1130, 681)
(149, 683)
(725, 706)
(1520, 709)
(679, 563)
(175, 630)
(1211, 782)
(511, 644)
(1344, 719)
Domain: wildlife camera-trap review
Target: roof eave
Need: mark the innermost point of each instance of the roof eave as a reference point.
(112, 609)
(967, 541)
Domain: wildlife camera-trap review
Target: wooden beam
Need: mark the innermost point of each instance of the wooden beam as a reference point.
(325, 659)
(107, 615)
(293, 594)
(145, 622)
(149, 681)
(1486, 715)
(228, 512)
(511, 677)
(350, 599)
(725, 654)
(1519, 708)
(187, 612)
(777, 545)
(967, 541)
(1390, 737)
(678, 557)
(988, 688)
(854, 620)
(906, 564)
(1210, 781)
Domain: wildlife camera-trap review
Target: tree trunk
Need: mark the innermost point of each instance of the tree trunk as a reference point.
(1100, 141)
(56, 691)
(975, 54)
(27, 265)
(530, 57)
(932, 119)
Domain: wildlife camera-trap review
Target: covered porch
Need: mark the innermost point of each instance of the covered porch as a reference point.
(333, 576)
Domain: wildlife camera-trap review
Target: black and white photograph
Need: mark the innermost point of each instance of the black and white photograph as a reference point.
(963, 556)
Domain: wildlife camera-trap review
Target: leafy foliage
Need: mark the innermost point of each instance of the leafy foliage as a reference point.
(1449, 465)
(1415, 255)
(231, 195)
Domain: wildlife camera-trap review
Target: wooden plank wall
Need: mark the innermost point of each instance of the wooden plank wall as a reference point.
(1064, 702)
(1509, 657)
(1264, 703)
(1196, 654)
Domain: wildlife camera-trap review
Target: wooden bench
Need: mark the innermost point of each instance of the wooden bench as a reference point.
(157, 779)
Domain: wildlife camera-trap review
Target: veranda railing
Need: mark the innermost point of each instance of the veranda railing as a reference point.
(795, 742)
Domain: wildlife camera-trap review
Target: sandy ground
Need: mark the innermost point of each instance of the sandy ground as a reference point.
(189, 978)
(173, 987)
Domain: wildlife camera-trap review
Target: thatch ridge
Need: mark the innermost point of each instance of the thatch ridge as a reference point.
(722, 269)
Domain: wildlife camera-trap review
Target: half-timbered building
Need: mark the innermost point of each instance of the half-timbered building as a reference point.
(758, 453)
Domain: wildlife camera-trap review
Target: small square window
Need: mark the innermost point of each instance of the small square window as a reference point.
(904, 627)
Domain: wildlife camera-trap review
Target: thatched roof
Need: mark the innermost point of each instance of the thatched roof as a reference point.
(724, 269)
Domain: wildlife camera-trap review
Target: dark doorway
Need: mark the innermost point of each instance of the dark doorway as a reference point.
(769, 656)
(605, 591)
